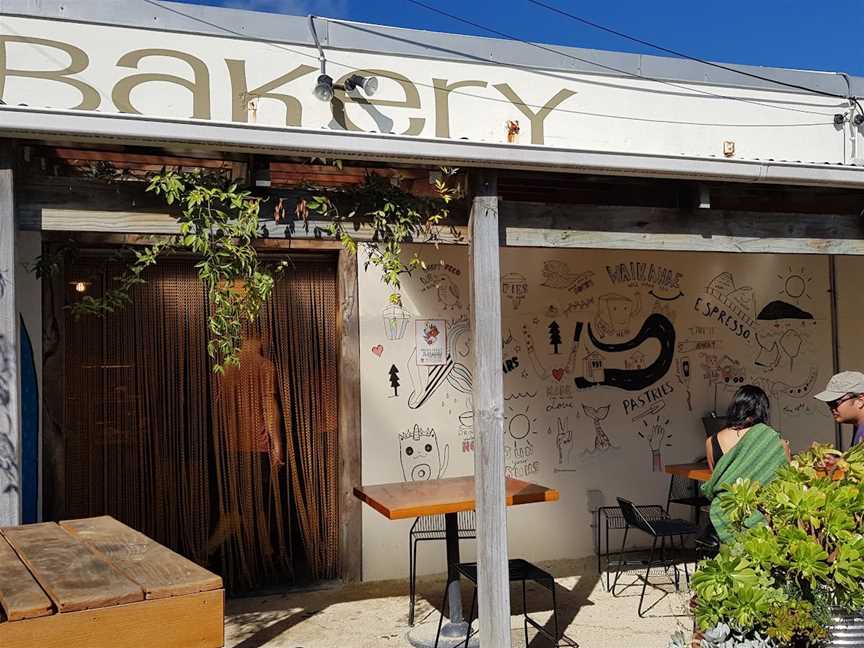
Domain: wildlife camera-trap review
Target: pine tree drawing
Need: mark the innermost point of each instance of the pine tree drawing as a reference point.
(554, 335)
(394, 379)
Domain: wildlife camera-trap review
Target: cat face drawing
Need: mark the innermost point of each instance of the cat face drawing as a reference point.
(420, 455)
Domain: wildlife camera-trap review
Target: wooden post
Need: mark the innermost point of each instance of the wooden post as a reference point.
(494, 584)
(10, 406)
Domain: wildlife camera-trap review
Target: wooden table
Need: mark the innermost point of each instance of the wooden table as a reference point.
(697, 471)
(97, 583)
(403, 500)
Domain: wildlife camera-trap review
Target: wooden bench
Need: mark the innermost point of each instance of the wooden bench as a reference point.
(97, 583)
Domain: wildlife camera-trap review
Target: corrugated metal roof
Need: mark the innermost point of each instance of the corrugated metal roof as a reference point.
(344, 35)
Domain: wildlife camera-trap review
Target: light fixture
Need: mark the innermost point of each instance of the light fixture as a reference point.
(80, 286)
(369, 85)
(324, 88)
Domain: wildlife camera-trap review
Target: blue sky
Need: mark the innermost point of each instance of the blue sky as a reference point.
(802, 34)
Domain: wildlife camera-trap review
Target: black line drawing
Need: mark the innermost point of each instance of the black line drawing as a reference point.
(538, 367)
(662, 298)
(657, 437)
(684, 371)
(515, 288)
(551, 311)
(508, 338)
(395, 320)
(519, 395)
(656, 327)
(420, 455)
(425, 384)
(459, 340)
(446, 290)
(509, 364)
(801, 390)
(636, 273)
(579, 306)
(598, 414)
(780, 310)
(655, 408)
(795, 284)
(9, 468)
(554, 336)
(556, 274)
(615, 313)
(772, 353)
(394, 379)
(739, 301)
(563, 441)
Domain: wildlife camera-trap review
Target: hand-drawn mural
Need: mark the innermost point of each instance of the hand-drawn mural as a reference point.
(515, 288)
(631, 380)
(615, 313)
(598, 415)
(420, 455)
(394, 379)
(556, 274)
(395, 320)
(655, 327)
(656, 434)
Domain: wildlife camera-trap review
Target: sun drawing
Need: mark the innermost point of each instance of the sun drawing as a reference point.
(795, 284)
(520, 424)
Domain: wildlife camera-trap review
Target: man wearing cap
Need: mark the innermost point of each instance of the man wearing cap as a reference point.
(844, 395)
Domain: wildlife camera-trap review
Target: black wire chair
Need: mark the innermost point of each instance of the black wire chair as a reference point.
(430, 528)
(518, 571)
(658, 530)
(609, 518)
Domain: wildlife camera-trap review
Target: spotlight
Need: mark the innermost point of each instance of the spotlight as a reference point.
(324, 88)
(839, 119)
(81, 286)
(858, 119)
(369, 85)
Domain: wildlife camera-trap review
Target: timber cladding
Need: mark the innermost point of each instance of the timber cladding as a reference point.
(98, 583)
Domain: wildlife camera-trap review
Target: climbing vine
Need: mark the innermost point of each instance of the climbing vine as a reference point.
(218, 222)
(392, 216)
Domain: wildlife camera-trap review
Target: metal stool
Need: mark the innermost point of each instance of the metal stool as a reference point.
(432, 527)
(658, 530)
(519, 570)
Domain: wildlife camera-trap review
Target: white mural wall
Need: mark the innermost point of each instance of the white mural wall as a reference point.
(610, 360)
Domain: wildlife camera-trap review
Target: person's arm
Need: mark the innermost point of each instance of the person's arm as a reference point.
(709, 453)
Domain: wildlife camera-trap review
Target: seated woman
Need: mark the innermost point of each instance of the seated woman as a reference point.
(748, 449)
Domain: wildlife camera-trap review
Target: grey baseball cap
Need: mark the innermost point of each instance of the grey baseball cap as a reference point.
(845, 382)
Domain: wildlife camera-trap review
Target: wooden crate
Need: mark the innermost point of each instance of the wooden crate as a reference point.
(96, 582)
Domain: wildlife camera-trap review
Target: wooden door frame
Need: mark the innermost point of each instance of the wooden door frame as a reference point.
(348, 372)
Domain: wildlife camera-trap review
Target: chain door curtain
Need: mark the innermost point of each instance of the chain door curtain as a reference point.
(192, 458)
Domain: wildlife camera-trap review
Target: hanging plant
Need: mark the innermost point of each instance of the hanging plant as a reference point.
(219, 224)
(394, 217)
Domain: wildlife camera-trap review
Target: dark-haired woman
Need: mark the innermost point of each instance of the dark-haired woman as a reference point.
(748, 448)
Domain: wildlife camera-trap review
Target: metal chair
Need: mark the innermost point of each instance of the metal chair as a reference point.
(518, 570)
(686, 492)
(612, 519)
(658, 530)
(432, 527)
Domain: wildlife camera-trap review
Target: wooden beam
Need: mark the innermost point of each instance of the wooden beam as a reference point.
(10, 403)
(53, 392)
(488, 397)
(701, 230)
(350, 468)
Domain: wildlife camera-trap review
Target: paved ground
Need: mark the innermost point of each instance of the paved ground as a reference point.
(374, 615)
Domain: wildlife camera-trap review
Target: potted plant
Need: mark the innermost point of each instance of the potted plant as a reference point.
(781, 582)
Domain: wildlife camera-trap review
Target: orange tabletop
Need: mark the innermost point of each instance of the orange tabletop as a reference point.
(412, 499)
(697, 471)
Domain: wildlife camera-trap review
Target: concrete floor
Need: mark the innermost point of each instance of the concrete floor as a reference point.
(374, 615)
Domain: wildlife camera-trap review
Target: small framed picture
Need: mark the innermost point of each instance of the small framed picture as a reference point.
(431, 341)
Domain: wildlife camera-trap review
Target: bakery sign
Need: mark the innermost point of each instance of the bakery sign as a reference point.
(120, 70)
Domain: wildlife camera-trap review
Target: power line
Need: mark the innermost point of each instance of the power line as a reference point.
(233, 32)
(603, 66)
(660, 48)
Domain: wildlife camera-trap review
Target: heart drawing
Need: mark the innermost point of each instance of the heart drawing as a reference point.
(558, 374)
(378, 349)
